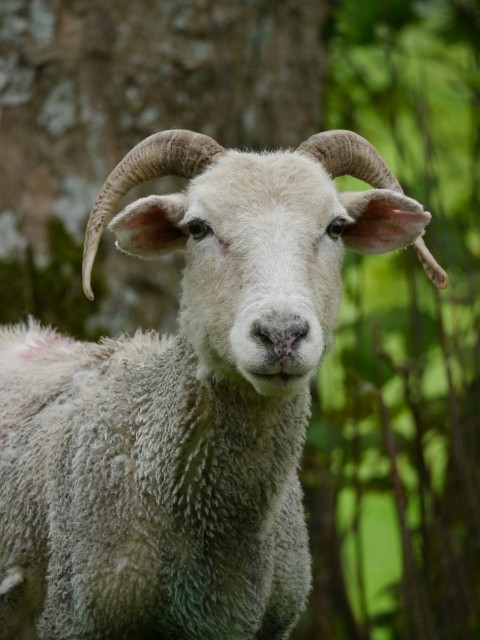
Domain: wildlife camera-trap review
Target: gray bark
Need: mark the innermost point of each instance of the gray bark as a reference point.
(82, 81)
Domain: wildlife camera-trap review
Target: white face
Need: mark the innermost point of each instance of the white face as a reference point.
(262, 283)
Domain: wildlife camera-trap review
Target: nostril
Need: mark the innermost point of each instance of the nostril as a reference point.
(264, 333)
(281, 338)
(299, 330)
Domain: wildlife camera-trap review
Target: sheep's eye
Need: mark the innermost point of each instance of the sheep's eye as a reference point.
(199, 229)
(336, 228)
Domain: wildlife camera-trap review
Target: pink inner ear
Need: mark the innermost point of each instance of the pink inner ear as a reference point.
(150, 231)
(382, 228)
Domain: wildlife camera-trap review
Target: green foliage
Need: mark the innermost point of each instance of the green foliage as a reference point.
(361, 22)
(50, 293)
(397, 426)
(13, 291)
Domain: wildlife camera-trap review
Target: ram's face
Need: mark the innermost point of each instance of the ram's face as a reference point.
(261, 286)
(262, 281)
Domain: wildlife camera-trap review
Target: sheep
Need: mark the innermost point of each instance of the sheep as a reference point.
(149, 486)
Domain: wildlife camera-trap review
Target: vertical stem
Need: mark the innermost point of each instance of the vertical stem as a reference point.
(356, 455)
(418, 625)
(464, 465)
(357, 533)
(475, 129)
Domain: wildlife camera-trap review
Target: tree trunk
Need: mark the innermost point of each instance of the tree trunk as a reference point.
(81, 82)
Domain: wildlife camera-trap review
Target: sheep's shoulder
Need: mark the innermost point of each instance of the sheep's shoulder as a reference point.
(30, 348)
(42, 370)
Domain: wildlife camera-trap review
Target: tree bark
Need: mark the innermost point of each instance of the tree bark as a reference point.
(81, 82)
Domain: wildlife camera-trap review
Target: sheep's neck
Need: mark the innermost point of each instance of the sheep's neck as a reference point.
(234, 456)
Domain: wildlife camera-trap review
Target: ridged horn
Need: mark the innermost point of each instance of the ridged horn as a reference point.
(175, 152)
(346, 153)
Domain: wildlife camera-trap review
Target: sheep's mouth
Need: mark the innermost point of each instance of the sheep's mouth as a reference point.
(280, 377)
(279, 383)
(280, 373)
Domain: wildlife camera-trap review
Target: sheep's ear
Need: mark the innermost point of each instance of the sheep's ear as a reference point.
(148, 227)
(384, 220)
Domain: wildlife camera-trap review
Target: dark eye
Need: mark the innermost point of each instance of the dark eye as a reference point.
(199, 229)
(336, 228)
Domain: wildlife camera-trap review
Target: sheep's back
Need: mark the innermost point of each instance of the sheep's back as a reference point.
(52, 390)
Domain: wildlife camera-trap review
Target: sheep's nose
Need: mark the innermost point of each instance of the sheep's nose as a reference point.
(282, 339)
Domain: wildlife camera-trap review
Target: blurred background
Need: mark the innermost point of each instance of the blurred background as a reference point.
(391, 470)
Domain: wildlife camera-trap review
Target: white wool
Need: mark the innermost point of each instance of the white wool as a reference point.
(149, 486)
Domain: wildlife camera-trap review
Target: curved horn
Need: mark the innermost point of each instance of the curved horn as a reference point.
(346, 153)
(174, 152)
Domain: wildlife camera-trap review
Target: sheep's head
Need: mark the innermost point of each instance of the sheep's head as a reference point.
(264, 236)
